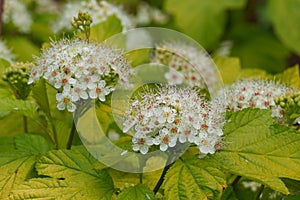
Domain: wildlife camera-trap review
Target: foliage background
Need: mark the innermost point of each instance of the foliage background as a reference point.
(265, 39)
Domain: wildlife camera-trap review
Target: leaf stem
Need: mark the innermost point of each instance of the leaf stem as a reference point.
(71, 136)
(236, 180)
(141, 178)
(25, 124)
(261, 189)
(162, 176)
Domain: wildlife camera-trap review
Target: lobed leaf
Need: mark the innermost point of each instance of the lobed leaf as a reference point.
(34, 144)
(24, 107)
(18, 165)
(71, 177)
(194, 178)
(140, 192)
(15, 168)
(256, 150)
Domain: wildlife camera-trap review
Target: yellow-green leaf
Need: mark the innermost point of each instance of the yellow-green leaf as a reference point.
(290, 76)
(140, 192)
(18, 165)
(194, 178)
(24, 107)
(104, 30)
(229, 68)
(72, 177)
(256, 150)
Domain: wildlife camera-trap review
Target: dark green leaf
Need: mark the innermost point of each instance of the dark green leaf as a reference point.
(202, 20)
(285, 17)
(33, 144)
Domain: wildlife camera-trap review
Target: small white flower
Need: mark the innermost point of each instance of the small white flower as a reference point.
(76, 67)
(98, 11)
(5, 52)
(174, 77)
(16, 12)
(65, 101)
(174, 115)
(100, 91)
(255, 94)
(193, 64)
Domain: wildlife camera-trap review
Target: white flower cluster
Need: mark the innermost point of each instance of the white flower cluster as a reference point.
(98, 11)
(190, 65)
(255, 94)
(5, 52)
(79, 69)
(172, 115)
(147, 14)
(16, 12)
(48, 6)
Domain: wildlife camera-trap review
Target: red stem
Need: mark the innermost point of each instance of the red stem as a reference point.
(1, 12)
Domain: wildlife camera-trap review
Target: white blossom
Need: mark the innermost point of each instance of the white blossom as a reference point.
(80, 69)
(15, 11)
(147, 14)
(193, 64)
(5, 52)
(98, 11)
(171, 115)
(255, 94)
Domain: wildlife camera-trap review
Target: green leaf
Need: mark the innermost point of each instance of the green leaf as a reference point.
(6, 144)
(290, 76)
(253, 73)
(285, 17)
(194, 178)
(63, 129)
(24, 107)
(104, 30)
(256, 150)
(201, 19)
(229, 194)
(23, 48)
(140, 192)
(17, 166)
(39, 93)
(34, 144)
(72, 177)
(257, 48)
(122, 178)
(229, 68)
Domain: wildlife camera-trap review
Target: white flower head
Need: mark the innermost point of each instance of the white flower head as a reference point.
(147, 14)
(255, 94)
(174, 115)
(98, 11)
(81, 69)
(193, 64)
(16, 12)
(5, 52)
